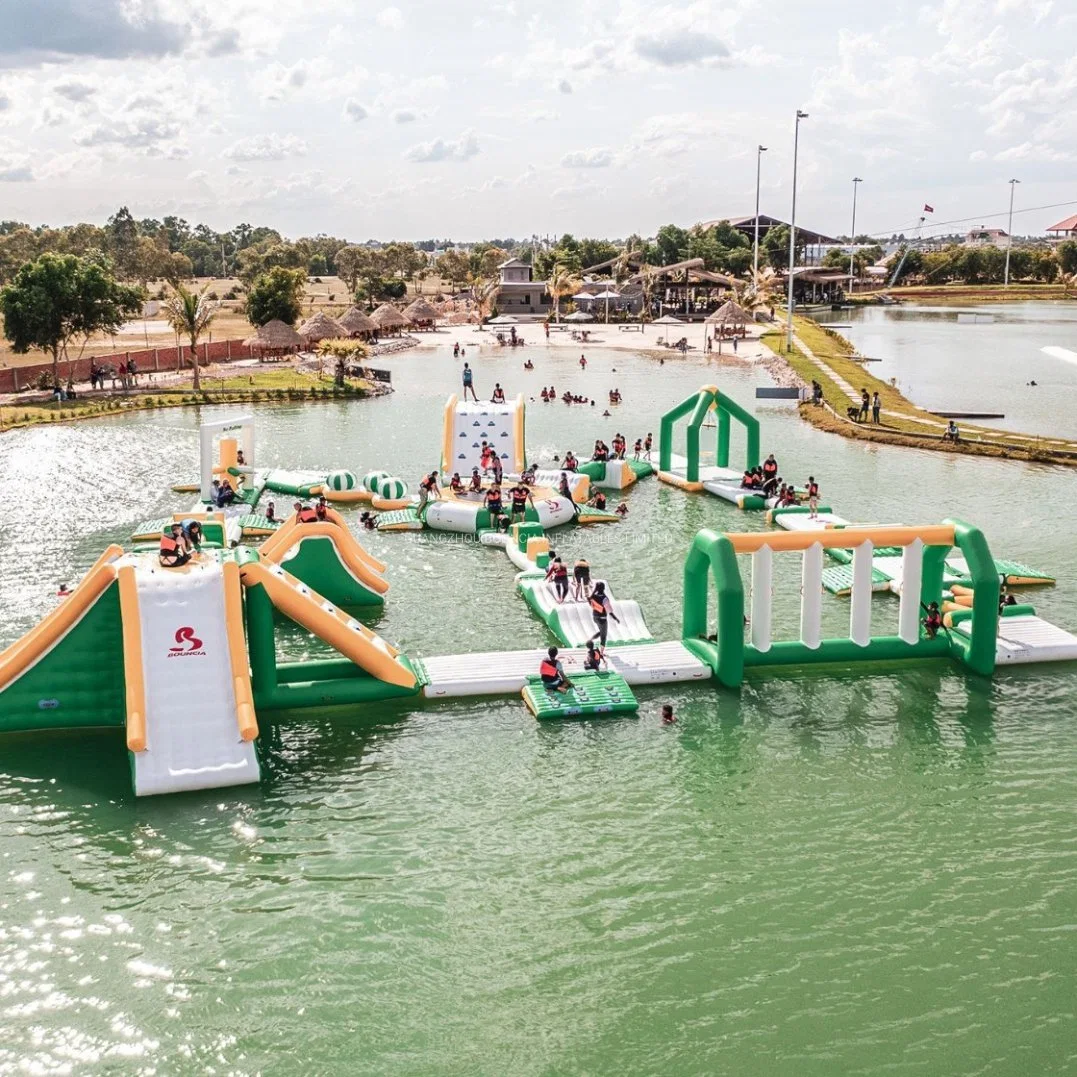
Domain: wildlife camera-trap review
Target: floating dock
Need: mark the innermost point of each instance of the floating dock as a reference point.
(497, 673)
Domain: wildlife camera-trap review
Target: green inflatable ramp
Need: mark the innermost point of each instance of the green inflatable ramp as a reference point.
(591, 694)
(838, 579)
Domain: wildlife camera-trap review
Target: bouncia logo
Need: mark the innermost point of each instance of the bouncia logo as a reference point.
(187, 644)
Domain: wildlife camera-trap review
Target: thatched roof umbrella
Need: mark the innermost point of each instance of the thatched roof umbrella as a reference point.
(321, 327)
(274, 336)
(356, 323)
(421, 313)
(387, 318)
(729, 313)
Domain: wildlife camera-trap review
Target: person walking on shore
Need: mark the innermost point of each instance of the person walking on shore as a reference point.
(876, 408)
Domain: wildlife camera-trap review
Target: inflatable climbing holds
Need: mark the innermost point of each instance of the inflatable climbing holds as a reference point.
(341, 480)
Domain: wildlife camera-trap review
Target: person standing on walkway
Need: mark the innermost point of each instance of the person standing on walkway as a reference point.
(469, 384)
(601, 612)
(876, 408)
(865, 404)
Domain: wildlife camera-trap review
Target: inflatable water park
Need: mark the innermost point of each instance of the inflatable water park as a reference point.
(125, 646)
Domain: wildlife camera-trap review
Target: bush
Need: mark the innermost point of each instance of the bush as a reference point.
(232, 293)
(212, 295)
(317, 280)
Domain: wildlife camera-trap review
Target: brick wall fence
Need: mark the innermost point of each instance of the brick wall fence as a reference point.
(16, 379)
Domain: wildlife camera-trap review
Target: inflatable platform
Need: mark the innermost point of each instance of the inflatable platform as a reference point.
(592, 695)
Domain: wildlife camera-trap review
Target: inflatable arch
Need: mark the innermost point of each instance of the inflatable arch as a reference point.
(697, 407)
(924, 550)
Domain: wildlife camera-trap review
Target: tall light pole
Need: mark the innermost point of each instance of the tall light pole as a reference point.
(755, 257)
(1009, 234)
(852, 235)
(793, 230)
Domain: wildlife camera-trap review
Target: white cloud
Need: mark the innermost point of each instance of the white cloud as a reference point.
(74, 90)
(594, 158)
(390, 18)
(459, 149)
(404, 115)
(199, 175)
(354, 111)
(279, 81)
(142, 133)
(680, 48)
(564, 86)
(267, 148)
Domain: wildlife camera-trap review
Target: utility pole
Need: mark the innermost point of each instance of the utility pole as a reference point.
(852, 235)
(1009, 235)
(793, 230)
(755, 257)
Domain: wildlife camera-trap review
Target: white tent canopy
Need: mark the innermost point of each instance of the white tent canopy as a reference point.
(667, 319)
(580, 316)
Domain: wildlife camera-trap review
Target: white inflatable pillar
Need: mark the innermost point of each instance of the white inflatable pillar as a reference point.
(811, 596)
(912, 574)
(762, 596)
(860, 614)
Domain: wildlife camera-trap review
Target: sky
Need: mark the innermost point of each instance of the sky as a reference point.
(490, 118)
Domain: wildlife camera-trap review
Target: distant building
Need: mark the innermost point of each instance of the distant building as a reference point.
(986, 237)
(1066, 229)
(518, 293)
(815, 243)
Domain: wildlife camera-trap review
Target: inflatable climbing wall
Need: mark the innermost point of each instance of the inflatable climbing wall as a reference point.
(468, 425)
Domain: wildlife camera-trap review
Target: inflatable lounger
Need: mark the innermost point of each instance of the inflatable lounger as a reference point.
(591, 694)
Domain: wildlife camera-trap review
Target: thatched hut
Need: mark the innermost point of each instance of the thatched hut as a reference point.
(357, 324)
(388, 319)
(731, 319)
(274, 338)
(321, 327)
(421, 314)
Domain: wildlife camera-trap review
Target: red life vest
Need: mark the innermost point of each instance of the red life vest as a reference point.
(493, 503)
(600, 501)
(813, 489)
(169, 544)
(306, 516)
(560, 570)
(598, 606)
(770, 468)
(548, 669)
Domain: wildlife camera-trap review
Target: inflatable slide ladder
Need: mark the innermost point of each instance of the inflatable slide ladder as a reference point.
(572, 623)
(190, 715)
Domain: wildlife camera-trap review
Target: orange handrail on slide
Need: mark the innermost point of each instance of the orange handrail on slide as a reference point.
(237, 652)
(358, 562)
(24, 652)
(133, 669)
(332, 516)
(353, 640)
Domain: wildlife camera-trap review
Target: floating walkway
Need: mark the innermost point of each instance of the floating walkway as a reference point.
(497, 673)
(571, 622)
(1026, 638)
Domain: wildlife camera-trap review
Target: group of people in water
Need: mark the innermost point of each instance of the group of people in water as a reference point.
(765, 481)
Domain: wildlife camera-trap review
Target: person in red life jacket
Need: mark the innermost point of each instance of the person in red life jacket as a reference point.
(553, 673)
(637, 449)
(601, 612)
(271, 512)
(476, 482)
(527, 476)
(668, 717)
(813, 497)
(498, 396)
(545, 395)
(428, 488)
(496, 467)
(63, 591)
(748, 480)
(173, 551)
(583, 362)
(933, 621)
(770, 468)
(622, 509)
(595, 658)
(648, 441)
(493, 504)
(570, 462)
(520, 496)
(564, 488)
(456, 484)
(321, 508)
(305, 514)
(485, 453)
(368, 521)
(558, 574)
(599, 500)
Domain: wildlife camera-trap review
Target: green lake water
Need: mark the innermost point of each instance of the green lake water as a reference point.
(870, 872)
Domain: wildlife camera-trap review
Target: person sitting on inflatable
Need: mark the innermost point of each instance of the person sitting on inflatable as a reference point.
(570, 462)
(476, 481)
(595, 657)
(173, 551)
(321, 508)
(563, 487)
(192, 534)
(456, 484)
(527, 476)
(304, 513)
(271, 512)
(553, 673)
(498, 396)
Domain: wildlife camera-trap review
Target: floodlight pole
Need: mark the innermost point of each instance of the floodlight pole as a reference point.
(793, 231)
(852, 235)
(755, 257)
(1009, 235)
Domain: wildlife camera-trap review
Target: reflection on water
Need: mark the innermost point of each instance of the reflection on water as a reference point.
(820, 874)
(945, 361)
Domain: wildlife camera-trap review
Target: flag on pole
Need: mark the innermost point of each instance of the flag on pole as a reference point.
(928, 209)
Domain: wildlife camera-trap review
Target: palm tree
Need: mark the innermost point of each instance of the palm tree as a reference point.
(484, 290)
(190, 313)
(562, 282)
(758, 294)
